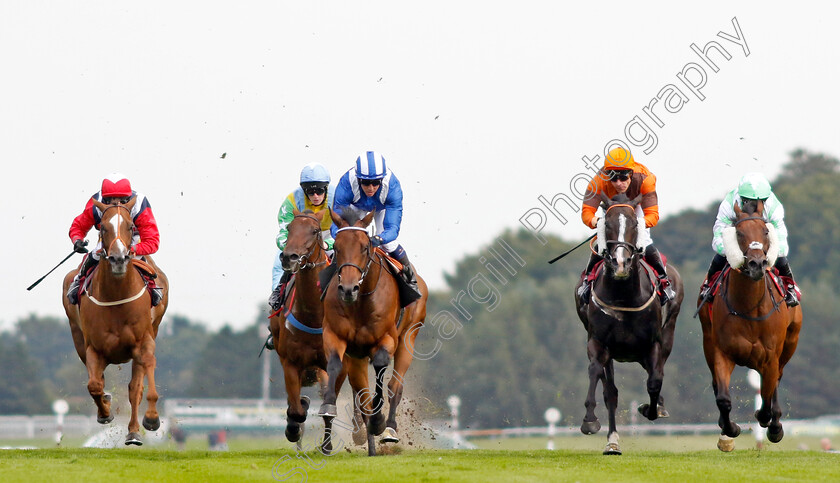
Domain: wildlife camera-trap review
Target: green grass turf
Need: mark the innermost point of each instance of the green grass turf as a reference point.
(125, 465)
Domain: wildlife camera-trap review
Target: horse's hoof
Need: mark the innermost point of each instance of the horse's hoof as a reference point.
(389, 436)
(612, 449)
(326, 445)
(590, 427)
(662, 412)
(328, 411)
(763, 422)
(105, 420)
(376, 424)
(725, 443)
(151, 424)
(775, 437)
(644, 410)
(133, 438)
(304, 401)
(293, 433)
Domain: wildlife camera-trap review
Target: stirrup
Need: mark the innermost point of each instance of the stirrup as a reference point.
(667, 290)
(157, 296)
(790, 297)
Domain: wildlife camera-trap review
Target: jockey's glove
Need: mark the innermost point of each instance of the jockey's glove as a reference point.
(375, 241)
(79, 246)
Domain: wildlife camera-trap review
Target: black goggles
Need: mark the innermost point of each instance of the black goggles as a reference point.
(113, 200)
(315, 190)
(619, 174)
(370, 182)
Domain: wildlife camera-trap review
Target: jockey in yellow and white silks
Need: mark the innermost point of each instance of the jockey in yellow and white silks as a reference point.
(752, 187)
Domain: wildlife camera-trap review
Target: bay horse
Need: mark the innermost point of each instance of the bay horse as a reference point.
(297, 330)
(748, 324)
(114, 322)
(623, 319)
(363, 319)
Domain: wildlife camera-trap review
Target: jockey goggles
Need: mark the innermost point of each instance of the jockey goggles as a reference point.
(370, 182)
(619, 174)
(315, 190)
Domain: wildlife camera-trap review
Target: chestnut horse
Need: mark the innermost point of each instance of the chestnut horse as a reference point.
(113, 322)
(363, 319)
(623, 318)
(748, 323)
(297, 332)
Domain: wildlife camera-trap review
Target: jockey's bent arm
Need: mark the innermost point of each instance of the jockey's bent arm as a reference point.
(147, 229)
(284, 217)
(83, 223)
(393, 212)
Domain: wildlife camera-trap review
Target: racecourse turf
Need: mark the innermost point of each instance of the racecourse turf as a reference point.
(127, 465)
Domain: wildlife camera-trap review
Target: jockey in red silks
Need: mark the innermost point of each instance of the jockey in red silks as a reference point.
(116, 189)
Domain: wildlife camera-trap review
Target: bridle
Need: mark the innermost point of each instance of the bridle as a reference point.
(631, 247)
(363, 271)
(304, 264)
(117, 234)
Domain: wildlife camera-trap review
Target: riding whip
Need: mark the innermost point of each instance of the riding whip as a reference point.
(573, 249)
(51, 271)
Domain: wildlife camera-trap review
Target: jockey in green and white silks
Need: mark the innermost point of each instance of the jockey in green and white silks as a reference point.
(752, 186)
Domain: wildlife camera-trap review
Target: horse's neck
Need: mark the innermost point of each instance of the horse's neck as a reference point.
(106, 284)
(626, 289)
(308, 294)
(744, 293)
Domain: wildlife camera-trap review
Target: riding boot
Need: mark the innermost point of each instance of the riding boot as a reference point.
(73, 290)
(655, 261)
(792, 292)
(585, 288)
(277, 297)
(408, 272)
(718, 262)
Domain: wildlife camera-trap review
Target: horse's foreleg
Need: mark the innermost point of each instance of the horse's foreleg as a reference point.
(775, 432)
(135, 394)
(591, 425)
(327, 442)
(151, 420)
(611, 402)
(296, 412)
(96, 386)
(334, 351)
(358, 374)
(721, 374)
(376, 423)
(769, 413)
(655, 370)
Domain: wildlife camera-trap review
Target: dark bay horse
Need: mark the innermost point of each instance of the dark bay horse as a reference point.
(748, 323)
(624, 320)
(363, 319)
(114, 322)
(297, 332)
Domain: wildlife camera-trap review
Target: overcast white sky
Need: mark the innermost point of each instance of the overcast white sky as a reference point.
(479, 108)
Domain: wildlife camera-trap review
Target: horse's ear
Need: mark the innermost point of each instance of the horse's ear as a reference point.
(737, 210)
(99, 205)
(338, 220)
(759, 208)
(295, 212)
(605, 202)
(364, 222)
(320, 215)
(131, 203)
(636, 200)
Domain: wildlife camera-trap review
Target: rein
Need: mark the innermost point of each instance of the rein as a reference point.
(776, 303)
(364, 272)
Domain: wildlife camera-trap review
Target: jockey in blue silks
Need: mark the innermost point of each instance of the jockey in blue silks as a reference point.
(368, 186)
